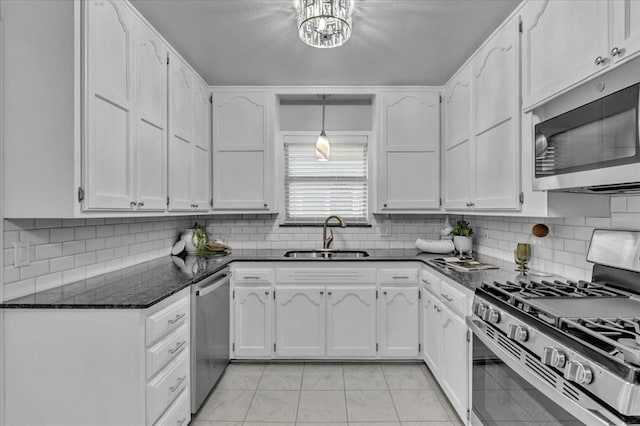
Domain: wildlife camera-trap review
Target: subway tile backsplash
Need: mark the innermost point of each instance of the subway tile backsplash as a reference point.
(67, 250)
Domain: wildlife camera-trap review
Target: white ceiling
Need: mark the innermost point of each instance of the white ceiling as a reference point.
(255, 42)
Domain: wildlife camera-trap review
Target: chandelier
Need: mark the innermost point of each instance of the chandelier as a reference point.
(324, 23)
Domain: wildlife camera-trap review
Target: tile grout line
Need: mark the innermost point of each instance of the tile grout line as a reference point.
(253, 397)
(391, 395)
(344, 391)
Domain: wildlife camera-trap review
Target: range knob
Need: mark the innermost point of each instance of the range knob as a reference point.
(492, 316)
(553, 357)
(578, 372)
(481, 310)
(517, 333)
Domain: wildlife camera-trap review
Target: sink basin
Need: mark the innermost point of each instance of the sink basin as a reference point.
(326, 254)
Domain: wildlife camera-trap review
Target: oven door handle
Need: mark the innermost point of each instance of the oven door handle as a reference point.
(590, 415)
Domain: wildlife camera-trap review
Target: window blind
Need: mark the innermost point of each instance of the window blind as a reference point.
(316, 189)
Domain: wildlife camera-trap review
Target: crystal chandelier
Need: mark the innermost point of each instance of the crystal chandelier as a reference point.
(324, 23)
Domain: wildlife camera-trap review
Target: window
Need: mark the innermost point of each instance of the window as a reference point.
(316, 189)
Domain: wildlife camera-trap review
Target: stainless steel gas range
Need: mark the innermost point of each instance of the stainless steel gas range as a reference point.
(561, 352)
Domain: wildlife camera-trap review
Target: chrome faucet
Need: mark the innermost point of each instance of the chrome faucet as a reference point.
(326, 241)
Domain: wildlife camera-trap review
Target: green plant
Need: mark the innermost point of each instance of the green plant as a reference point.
(199, 237)
(462, 228)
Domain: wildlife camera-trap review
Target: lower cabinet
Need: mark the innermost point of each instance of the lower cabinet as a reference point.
(398, 320)
(252, 309)
(97, 366)
(351, 321)
(446, 339)
(300, 321)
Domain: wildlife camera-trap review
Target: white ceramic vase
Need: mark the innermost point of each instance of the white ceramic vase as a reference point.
(463, 244)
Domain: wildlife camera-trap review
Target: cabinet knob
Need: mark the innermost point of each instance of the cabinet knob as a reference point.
(133, 204)
(470, 204)
(266, 293)
(616, 51)
(600, 60)
(385, 205)
(194, 206)
(266, 205)
(329, 293)
(384, 292)
(321, 293)
(141, 204)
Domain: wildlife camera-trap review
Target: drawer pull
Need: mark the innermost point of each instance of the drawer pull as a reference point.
(250, 277)
(178, 383)
(176, 319)
(181, 421)
(447, 298)
(426, 282)
(403, 277)
(177, 347)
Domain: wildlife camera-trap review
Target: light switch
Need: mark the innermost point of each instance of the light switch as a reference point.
(21, 253)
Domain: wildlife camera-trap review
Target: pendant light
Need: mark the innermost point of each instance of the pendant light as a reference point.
(322, 144)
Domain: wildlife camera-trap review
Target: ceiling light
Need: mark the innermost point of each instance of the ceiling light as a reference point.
(324, 23)
(323, 149)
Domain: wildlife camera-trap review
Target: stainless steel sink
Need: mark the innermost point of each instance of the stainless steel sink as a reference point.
(326, 254)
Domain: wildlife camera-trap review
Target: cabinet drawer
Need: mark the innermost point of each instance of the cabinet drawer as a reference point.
(167, 349)
(162, 390)
(398, 276)
(247, 276)
(167, 319)
(430, 282)
(454, 298)
(178, 414)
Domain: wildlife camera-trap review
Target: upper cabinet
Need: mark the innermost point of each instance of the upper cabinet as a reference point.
(565, 42)
(242, 151)
(95, 142)
(189, 145)
(410, 155)
(482, 126)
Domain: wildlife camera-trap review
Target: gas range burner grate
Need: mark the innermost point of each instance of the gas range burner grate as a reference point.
(619, 337)
(547, 289)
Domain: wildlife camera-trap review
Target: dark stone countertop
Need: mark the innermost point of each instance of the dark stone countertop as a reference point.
(145, 284)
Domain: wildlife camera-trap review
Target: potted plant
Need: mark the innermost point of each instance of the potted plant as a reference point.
(462, 233)
(195, 238)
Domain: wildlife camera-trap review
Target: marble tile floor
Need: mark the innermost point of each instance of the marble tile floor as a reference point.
(326, 394)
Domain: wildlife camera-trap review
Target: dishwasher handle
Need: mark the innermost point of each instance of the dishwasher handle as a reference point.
(216, 282)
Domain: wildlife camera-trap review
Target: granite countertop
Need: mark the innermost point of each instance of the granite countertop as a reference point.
(145, 284)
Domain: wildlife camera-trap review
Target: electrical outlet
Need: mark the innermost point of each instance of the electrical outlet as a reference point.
(21, 253)
(485, 234)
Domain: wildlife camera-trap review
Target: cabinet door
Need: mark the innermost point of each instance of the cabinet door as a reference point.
(252, 321)
(454, 365)
(562, 41)
(151, 120)
(108, 139)
(399, 322)
(351, 321)
(626, 29)
(411, 154)
(201, 162)
(300, 321)
(431, 332)
(457, 141)
(496, 130)
(181, 137)
(242, 172)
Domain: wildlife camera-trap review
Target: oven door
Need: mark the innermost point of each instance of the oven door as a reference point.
(506, 390)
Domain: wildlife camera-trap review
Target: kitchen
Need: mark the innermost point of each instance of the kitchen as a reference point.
(58, 235)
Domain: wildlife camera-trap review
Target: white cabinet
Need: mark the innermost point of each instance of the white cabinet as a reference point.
(398, 320)
(110, 99)
(351, 321)
(482, 128)
(253, 314)
(189, 145)
(410, 151)
(496, 113)
(242, 151)
(625, 21)
(457, 141)
(300, 321)
(96, 366)
(564, 42)
(431, 332)
(446, 338)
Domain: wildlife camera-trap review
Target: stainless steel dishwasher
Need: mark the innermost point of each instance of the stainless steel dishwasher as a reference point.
(209, 334)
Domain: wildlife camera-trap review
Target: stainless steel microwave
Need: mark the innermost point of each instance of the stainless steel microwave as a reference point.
(587, 140)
